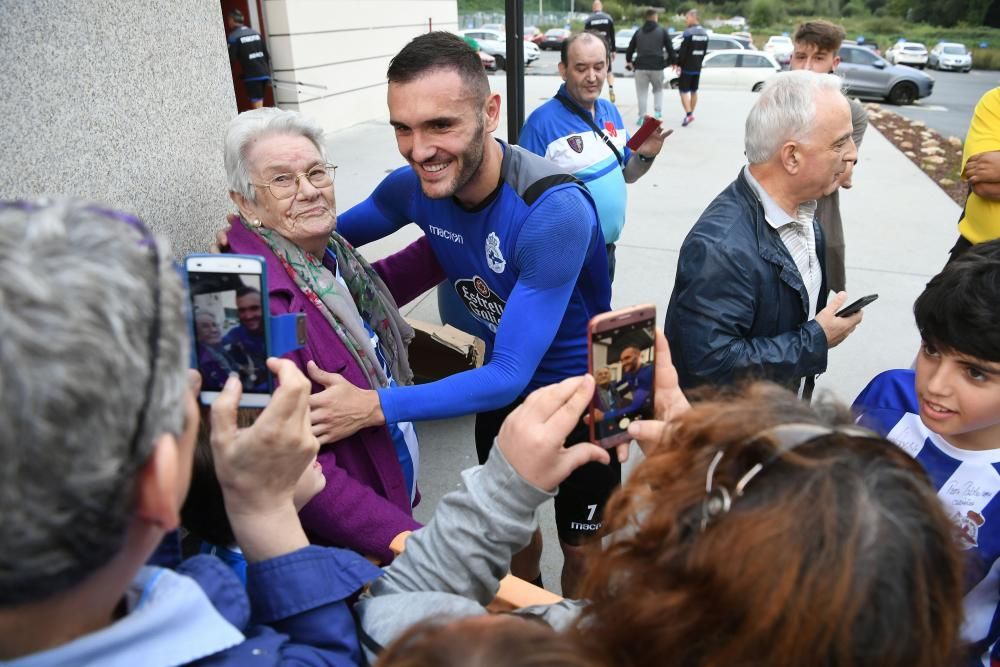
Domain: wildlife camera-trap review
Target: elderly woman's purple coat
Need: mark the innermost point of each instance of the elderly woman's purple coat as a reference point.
(365, 503)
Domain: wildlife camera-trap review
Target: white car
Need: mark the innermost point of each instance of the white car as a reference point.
(780, 47)
(739, 69)
(494, 43)
(950, 55)
(907, 53)
(623, 38)
(715, 42)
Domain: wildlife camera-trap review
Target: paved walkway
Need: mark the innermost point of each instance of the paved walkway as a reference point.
(898, 224)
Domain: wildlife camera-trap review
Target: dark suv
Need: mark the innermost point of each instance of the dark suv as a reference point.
(868, 75)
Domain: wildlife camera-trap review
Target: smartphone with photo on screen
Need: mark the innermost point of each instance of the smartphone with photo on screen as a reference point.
(230, 325)
(621, 354)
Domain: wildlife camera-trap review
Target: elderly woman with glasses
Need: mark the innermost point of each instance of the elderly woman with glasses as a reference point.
(282, 182)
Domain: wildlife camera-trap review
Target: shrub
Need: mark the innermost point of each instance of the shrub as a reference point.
(856, 8)
(881, 25)
(764, 12)
(985, 58)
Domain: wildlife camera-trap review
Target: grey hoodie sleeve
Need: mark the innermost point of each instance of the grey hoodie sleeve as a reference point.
(453, 565)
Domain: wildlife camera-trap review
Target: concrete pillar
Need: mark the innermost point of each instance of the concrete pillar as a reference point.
(120, 101)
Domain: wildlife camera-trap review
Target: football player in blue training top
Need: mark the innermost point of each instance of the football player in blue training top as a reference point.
(947, 416)
(521, 245)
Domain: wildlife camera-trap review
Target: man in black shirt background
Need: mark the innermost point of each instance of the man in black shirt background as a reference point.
(689, 57)
(604, 25)
(247, 46)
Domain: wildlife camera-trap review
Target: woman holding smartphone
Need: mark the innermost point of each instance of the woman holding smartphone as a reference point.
(282, 183)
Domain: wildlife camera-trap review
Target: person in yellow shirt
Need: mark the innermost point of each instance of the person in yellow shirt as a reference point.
(981, 169)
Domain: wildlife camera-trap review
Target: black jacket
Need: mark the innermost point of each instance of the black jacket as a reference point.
(603, 24)
(651, 47)
(693, 48)
(247, 46)
(739, 307)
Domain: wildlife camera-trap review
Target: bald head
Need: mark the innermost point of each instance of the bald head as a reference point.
(596, 6)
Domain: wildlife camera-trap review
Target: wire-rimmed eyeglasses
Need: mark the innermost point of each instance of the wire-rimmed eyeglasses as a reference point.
(285, 185)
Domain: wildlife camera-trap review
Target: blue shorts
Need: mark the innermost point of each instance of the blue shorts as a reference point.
(255, 89)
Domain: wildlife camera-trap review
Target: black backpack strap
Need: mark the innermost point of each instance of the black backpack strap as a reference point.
(590, 121)
(536, 189)
(369, 643)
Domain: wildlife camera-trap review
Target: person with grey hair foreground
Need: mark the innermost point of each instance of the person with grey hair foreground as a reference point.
(98, 418)
(749, 298)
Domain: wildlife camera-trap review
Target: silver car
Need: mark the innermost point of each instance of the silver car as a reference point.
(494, 43)
(867, 75)
(950, 55)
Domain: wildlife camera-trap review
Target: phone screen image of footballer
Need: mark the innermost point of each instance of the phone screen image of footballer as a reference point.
(621, 361)
(230, 325)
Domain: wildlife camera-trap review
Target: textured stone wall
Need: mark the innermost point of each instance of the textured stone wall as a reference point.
(120, 101)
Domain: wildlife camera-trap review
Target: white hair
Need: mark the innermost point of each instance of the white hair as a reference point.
(254, 124)
(785, 110)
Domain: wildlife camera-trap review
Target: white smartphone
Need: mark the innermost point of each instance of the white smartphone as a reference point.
(230, 325)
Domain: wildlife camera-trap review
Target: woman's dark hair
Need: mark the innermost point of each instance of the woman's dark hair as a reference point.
(440, 50)
(204, 510)
(959, 310)
(498, 640)
(837, 553)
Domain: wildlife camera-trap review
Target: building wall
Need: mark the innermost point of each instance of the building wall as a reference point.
(122, 102)
(341, 48)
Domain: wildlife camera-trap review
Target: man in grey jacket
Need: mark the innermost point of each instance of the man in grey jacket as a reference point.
(649, 52)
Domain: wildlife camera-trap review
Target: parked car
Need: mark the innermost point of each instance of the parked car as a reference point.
(740, 69)
(496, 27)
(553, 39)
(907, 53)
(871, 46)
(950, 55)
(489, 62)
(532, 34)
(780, 47)
(623, 38)
(743, 38)
(715, 42)
(868, 75)
(494, 43)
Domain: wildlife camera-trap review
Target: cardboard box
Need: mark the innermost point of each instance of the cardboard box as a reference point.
(440, 350)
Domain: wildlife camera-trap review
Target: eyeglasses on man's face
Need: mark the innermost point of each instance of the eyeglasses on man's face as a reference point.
(285, 185)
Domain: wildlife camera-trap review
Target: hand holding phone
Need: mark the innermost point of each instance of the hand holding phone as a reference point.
(649, 125)
(533, 437)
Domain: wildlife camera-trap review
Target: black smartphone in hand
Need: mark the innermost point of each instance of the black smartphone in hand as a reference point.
(847, 311)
